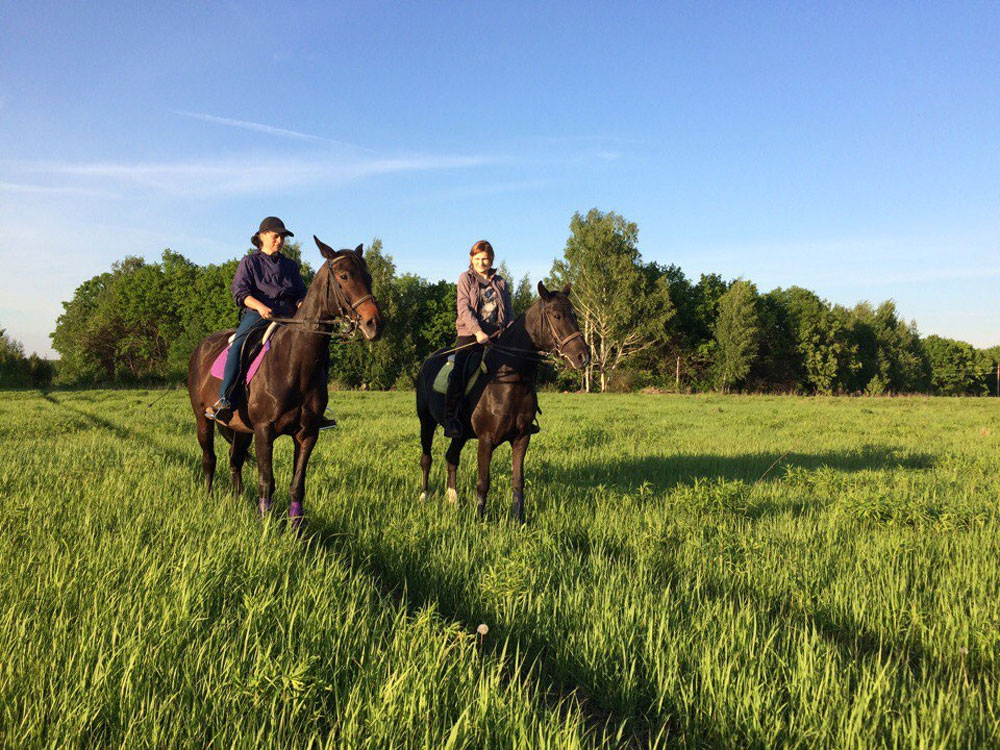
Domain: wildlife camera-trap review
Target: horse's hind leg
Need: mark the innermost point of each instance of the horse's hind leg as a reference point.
(237, 455)
(206, 438)
(427, 427)
(451, 457)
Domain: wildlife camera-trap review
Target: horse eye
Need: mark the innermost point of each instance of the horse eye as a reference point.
(343, 276)
(558, 316)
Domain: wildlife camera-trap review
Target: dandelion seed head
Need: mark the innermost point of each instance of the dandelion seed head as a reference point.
(483, 629)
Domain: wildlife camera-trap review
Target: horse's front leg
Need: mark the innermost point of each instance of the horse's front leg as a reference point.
(264, 439)
(304, 444)
(519, 447)
(483, 483)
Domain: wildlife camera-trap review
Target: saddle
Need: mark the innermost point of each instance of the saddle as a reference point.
(255, 346)
(474, 366)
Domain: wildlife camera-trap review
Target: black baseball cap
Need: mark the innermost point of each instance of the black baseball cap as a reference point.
(274, 224)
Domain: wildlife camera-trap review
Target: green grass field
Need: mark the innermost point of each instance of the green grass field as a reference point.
(663, 593)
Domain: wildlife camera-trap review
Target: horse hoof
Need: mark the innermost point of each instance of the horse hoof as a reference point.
(451, 496)
(423, 496)
(296, 518)
(263, 506)
(481, 509)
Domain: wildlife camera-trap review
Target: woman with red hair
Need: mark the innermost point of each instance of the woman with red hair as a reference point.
(483, 309)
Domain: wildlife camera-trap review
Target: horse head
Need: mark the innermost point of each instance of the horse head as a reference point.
(558, 330)
(349, 289)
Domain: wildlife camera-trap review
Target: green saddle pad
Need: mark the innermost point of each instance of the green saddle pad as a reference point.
(441, 379)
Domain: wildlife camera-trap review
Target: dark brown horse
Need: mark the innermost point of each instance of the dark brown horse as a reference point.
(501, 406)
(288, 394)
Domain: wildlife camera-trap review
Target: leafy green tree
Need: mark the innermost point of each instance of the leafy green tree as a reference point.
(954, 367)
(621, 312)
(821, 340)
(779, 365)
(13, 364)
(737, 331)
(522, 294)
(890, 355)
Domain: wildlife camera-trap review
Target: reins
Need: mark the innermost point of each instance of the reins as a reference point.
(531, 355)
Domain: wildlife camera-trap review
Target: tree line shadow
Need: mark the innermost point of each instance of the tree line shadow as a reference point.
(421, 585)
(181, 459)
(661, 473)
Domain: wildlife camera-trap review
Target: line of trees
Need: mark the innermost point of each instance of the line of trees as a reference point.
(649, 326)
(20, 371)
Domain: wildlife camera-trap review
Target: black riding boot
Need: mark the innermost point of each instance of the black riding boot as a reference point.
(452, 401)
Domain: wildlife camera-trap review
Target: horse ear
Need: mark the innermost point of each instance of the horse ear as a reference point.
(543, 292)
(565, 289)
(360, 250)
(328, 252)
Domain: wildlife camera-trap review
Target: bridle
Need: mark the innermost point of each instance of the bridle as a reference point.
(346, 310)
(559, 343)
(536, 355)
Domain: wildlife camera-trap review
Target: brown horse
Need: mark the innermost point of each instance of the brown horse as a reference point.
(501, 406)
(288, 394)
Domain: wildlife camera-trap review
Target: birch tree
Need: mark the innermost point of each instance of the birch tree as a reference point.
(621, 310)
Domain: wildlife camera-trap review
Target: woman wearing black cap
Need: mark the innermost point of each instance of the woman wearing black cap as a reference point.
(266, 285)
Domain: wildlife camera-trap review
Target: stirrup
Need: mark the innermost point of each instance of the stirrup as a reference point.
(326, 423)
(219, 411)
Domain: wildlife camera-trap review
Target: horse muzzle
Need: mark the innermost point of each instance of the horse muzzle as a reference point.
(577, 354)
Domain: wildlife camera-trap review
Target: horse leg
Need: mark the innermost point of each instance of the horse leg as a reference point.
(304, 445)
(237, 455)
(451, 458)
(206, 438)
(427, 427)
(520, 447)
(485, 455)
(264, 439)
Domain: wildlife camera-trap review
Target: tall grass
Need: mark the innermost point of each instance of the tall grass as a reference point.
(674, 585)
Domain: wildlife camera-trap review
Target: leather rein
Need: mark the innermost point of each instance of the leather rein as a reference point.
(540, 355)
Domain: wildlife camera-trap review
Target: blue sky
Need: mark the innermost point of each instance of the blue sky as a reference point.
(851, 148)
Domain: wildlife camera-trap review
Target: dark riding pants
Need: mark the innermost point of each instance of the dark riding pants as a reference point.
(251, 319)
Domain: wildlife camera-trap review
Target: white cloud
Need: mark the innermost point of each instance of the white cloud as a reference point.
(256, 127)
(248, 174)
(15, 187)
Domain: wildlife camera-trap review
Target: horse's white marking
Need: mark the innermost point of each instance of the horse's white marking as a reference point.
(451, 496)
(423, 496)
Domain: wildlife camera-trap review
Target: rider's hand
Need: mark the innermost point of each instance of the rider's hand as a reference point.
(481, 337)
(265, 312)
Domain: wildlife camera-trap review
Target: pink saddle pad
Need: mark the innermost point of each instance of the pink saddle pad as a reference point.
(219, 366)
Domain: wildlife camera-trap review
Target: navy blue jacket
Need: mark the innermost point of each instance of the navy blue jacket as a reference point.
(273, 280)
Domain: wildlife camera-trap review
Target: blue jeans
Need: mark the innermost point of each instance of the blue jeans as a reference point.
(251, 319)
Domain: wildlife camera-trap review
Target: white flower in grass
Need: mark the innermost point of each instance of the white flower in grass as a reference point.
(483, 629)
